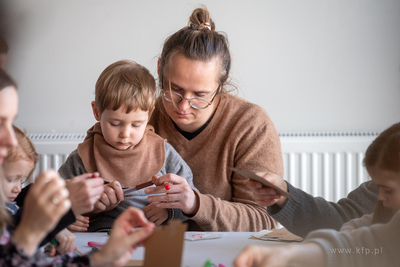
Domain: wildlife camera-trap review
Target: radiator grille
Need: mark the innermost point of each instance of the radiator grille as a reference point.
(326, 164)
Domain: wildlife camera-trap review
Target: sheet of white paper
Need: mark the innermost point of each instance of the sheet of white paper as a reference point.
(193, 236)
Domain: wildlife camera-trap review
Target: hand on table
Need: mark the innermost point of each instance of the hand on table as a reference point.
(154, 214)
(46, 202)
(84, 191)
(179, 196)
(81, 225)
(124, 239)
(265, 196)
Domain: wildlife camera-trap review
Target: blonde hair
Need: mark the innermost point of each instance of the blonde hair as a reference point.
(4, 215)
(25, 150)
(125, 83)
(384, 153)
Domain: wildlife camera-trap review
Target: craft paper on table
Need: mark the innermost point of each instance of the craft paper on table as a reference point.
(194, 236)
(255, 177)
(282, 235)
(164, 247)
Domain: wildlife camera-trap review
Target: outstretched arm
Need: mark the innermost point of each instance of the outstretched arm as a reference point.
(304, 213)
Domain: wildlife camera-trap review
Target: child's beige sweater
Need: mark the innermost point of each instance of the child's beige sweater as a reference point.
(240, 135)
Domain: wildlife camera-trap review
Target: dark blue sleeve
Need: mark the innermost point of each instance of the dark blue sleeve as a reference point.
(66, 220)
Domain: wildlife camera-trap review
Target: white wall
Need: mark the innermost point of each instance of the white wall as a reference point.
(313, 65)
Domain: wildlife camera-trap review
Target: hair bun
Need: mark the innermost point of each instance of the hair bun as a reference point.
(201, 19)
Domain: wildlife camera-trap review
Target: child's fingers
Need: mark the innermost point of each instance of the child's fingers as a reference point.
(132, 217)
(158, 222)
(81, 224)
(75, 228)
(53, 250)
(152, 218)
(100, 205)
(149, 214)
(118, 192)
(149, 207)
(104, 198)
(82, 219)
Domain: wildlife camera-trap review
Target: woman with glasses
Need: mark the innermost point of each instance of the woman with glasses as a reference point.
(213, 131)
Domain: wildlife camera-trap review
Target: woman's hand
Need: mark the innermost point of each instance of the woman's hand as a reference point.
(124, 239)
(308, 255)
(84, 192)
(265, 196)
(46, 202)
(110, 198)
(179, 196)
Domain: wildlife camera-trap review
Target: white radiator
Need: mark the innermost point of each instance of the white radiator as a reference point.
(326, 164)
(322, 164)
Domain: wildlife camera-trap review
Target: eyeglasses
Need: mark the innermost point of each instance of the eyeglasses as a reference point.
(197, 103)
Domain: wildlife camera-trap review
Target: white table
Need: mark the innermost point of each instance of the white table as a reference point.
(195, 253)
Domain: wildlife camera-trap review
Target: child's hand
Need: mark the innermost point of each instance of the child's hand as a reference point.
(81, 224)
(154, 214)
(110, 198)
(66, 243)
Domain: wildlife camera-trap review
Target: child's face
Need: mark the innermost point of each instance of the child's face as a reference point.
(15, 173)
(121, 130)
(389, 187)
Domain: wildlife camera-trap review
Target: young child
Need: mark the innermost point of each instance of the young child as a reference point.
(372, 240)
(123, 148)
(382, 160)
(18, 167)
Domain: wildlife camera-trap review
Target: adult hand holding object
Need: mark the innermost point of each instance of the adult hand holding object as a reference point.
(266, 196)
(124, 239)
(46, 202)
(179, 196)
(84, 191)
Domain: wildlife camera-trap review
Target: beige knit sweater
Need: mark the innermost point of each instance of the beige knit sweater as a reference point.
(240, 135)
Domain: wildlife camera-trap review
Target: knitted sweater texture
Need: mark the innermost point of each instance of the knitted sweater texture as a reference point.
(240, 135)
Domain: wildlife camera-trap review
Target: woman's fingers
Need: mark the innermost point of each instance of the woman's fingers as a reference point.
(178, 194)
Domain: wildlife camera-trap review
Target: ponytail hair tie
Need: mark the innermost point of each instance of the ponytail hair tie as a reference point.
(207, 25)
(204, 25)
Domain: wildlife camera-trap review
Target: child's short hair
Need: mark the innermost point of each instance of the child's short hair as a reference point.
(25, 150)
(125, 83)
